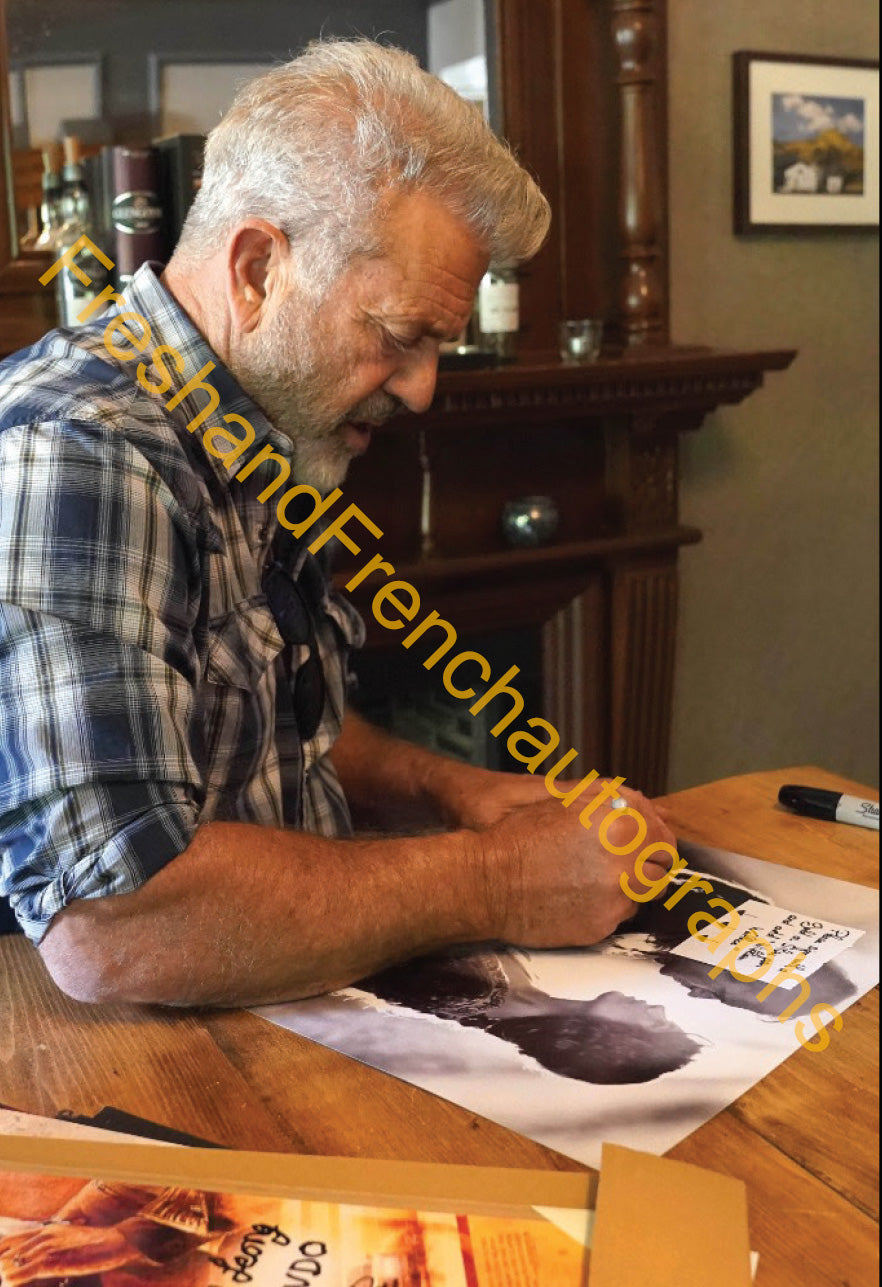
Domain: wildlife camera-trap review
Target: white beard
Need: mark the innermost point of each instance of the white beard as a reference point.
(280, 369)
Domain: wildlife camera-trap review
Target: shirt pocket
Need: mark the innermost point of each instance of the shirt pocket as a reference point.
(241, 645)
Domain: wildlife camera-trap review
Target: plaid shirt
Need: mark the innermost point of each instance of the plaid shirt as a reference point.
(143, 689)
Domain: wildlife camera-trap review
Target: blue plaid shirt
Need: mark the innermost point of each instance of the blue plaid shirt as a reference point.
(143, 689)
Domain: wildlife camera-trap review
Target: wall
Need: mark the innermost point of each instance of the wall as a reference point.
(455, 31)
(778, 644)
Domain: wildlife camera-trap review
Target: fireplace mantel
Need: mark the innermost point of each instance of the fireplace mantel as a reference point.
(651, 380)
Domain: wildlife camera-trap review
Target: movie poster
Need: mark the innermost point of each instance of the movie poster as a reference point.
(61, 1231)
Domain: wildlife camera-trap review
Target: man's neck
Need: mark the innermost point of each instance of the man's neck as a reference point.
(201, 297)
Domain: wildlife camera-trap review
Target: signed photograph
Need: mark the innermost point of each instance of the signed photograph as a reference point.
(637, 1040)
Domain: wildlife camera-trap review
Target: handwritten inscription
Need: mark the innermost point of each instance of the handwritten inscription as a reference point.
(239, 1268)
(301, 1272)
(250, 1250)
(308, 1266)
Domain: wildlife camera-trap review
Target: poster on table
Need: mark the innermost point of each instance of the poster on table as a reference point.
(80, 1211)
(89, 1213)
(638, 1040)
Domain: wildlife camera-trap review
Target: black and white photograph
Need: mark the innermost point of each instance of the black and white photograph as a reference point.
(626, 1041)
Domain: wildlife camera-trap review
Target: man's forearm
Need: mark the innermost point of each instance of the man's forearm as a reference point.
(250, 914)
(393, 784)
(390, 782)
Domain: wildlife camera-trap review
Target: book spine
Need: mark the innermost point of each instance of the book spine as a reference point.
(180, 174)
(135, 210)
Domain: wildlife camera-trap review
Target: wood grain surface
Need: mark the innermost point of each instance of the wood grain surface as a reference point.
(803, 1139)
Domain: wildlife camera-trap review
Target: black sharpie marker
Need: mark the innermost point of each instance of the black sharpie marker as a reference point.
(814, 802)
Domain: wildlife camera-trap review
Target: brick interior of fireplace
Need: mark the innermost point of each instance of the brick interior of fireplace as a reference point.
(396, 692)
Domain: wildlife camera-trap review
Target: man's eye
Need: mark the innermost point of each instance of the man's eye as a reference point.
(402, 342)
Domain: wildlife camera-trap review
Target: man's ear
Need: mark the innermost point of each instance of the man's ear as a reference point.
(257, 254)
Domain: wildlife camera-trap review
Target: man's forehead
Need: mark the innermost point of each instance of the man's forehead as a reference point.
(421, 219)
(429, 247)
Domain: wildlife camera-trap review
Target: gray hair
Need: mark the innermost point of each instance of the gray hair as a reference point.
(313, 144)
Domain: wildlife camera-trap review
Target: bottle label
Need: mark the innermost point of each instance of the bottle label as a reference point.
(72, 295)
(136, 212)
(498, 307)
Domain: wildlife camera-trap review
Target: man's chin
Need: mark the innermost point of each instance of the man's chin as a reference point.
(323, 471)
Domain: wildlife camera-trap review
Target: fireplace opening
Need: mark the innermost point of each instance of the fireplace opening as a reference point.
(396, 692)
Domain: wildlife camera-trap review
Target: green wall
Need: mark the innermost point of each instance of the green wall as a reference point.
(778, 639)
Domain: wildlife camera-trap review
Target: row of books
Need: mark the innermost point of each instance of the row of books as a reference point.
(140, 198)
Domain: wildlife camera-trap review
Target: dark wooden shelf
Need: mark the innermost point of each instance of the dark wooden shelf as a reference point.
(511, 587)
(511, 563)
(661, 380)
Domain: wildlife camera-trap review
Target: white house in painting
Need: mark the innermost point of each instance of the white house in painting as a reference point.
(801, 177)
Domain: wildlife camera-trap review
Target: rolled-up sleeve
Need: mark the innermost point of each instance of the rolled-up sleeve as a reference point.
(100, 586)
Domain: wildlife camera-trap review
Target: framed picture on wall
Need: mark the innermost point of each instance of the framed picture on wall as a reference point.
(806, 143)
(189, 93)
(46, 92)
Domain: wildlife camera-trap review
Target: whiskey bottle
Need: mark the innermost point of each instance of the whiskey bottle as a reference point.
(72, 294)
(498, 311)
(51, 217)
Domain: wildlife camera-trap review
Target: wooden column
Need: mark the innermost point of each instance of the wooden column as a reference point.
(643, 621)
(637, 33)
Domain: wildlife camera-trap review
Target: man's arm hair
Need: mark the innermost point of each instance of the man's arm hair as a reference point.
(249, 915)
(394, 784)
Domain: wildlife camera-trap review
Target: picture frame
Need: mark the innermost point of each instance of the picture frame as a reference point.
(44, 92)
(805, 143)
(188, 93)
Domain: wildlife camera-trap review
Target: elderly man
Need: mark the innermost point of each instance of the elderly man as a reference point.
(176, 759)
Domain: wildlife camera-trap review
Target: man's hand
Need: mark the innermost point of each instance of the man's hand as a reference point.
(393, 784)
(478, 798)
(549, 882)
(59, 1251)
(248, 915)
(473, 797)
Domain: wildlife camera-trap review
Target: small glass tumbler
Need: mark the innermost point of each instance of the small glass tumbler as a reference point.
(580, 340)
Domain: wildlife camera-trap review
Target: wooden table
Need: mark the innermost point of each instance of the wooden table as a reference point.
(803, 1139)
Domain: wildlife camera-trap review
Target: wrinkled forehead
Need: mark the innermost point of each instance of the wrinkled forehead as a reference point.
(424, 246)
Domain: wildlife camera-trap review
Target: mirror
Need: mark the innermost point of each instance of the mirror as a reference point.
(129, 72)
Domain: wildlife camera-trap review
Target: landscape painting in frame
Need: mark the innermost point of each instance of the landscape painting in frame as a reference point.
(806, 143)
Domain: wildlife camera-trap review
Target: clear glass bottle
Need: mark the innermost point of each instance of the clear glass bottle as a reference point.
(51, 217)
(72, 294)
(499, 311)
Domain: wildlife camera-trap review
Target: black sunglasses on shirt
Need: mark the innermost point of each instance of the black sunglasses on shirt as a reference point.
(294, 618)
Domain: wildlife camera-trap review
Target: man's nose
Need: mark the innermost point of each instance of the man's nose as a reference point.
(413, 381)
